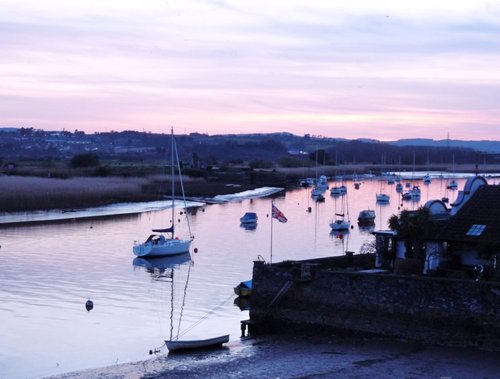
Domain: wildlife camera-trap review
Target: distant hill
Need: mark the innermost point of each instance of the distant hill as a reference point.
(483, 146)
(265, 150)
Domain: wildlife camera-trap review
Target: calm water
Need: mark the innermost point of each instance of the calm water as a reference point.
(48, 271)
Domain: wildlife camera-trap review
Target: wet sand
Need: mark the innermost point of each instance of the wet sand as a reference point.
(310, 356)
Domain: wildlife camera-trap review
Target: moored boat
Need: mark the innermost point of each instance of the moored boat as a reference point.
(244, 288)
(340, 224)
(382, 198)
(307, 182)
(184, 345)
(319, 198)
(336, 191)
(249, 218)
(157, 245)
(452, 185)
(317, 191)
(366, 216)
(406, 196)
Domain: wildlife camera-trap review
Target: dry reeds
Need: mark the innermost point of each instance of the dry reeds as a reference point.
(34, 193)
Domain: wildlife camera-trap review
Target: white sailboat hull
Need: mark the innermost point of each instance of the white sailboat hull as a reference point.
(161, 249)
(177, 345)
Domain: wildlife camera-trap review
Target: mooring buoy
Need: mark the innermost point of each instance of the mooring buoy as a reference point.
(89, 305)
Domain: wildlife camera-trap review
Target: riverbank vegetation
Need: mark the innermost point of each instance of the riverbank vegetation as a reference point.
(29, 193)
(87, 180)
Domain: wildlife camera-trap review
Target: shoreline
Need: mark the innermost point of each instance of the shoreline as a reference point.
(306, 356)
(127, 208)
(24, 194)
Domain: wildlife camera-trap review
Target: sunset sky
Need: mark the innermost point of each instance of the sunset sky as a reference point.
(352, 69)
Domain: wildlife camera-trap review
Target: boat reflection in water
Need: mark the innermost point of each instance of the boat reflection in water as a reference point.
(162, 269)
(249, 226)
(366, 228)
(341, 239)
(242, 302)
(158, 265)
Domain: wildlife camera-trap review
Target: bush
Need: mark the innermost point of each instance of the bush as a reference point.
(85, 160)
(101, 171)
(288, 162)
(260, 163)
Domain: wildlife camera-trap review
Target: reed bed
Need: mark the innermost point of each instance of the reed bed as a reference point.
(20, 193)
(28, 193)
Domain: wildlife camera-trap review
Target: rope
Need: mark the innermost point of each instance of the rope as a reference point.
(172, 307)
(203, 318)
(183, 300)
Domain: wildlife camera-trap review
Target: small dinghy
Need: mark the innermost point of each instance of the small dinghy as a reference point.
(183, 345)
(244, 288)
(249, 218)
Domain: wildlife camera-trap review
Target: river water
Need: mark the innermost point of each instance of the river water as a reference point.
(49, 270)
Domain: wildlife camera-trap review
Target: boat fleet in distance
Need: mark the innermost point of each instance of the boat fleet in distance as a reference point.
(412, 192)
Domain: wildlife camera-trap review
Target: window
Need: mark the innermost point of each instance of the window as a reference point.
(475, 230)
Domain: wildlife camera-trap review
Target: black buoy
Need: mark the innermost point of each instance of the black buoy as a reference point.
(309, 209)
(89, 305)
(195, 250)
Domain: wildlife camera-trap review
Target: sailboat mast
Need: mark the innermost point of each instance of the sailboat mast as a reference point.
(172, 179)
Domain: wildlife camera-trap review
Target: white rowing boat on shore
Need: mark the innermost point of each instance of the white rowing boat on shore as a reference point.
(180, 345)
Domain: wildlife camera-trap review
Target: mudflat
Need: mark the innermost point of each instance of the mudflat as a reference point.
(310, 356)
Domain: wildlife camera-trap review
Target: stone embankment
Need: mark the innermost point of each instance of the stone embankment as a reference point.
(344, 293)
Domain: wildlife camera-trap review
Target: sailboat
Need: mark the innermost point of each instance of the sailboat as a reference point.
(427, 178)
(161, 244)
(320, 184)
(414, 192)
(452, 185)
(339, 222)
(381, 196)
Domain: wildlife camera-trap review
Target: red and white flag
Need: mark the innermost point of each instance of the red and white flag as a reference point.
(278, 215)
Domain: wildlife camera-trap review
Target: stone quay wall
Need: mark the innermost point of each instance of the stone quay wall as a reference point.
(325, 293)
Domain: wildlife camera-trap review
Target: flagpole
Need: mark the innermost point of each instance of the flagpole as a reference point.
(272, 203)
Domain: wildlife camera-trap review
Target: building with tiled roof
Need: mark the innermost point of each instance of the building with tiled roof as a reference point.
(462, 241)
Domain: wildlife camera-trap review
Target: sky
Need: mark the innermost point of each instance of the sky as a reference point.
(384, 69)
